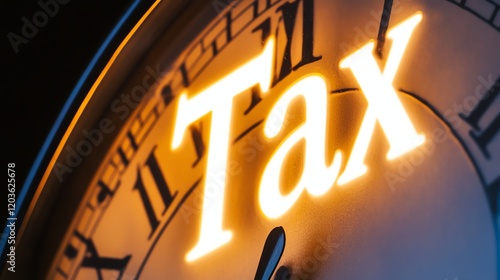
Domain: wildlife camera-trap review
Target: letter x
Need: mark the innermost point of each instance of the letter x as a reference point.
(383, 103)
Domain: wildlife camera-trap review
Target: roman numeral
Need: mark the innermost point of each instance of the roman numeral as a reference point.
(93, 260)
(104, 193)
(483, 136)
(289, 12)
(167, 95)
(185, 76)
(126, 154)
(255, 99)
(199, 145)
(493, 191)
(162, 189)
(265, 28)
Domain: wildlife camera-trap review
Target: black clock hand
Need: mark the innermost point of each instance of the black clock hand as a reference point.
(271, 254)
(384, 24)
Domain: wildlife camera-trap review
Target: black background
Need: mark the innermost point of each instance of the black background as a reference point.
(37, 80)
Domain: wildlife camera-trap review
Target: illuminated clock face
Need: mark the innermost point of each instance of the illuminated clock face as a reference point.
(359, 139)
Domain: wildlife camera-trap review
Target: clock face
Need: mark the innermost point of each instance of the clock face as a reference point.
(359, 138)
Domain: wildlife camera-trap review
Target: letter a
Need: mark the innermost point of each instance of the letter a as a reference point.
(317, 177)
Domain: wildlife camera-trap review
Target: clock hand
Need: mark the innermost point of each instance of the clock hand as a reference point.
(271, 254)
(384, 24)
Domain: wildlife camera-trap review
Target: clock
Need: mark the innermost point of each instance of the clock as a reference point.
(275, 139)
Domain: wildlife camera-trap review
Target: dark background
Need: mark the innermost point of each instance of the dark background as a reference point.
(37, 80)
